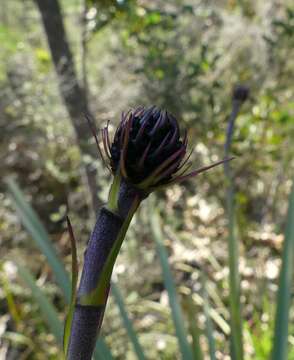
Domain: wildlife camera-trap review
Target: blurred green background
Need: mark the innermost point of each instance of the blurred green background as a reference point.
(185, 56)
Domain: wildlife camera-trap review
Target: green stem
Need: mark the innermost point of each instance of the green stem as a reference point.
(233, 247)
(234, 280)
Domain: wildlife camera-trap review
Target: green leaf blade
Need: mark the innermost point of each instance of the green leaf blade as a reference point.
(280, 341)
(208, 322)
(48, 311)
(184, 346)
(39, 234)
(74, 281)
(127, 323)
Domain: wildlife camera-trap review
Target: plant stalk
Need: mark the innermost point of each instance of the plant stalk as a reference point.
(102, 249)
(233, 246)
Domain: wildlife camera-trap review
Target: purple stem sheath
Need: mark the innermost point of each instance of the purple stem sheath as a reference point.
(87, 320)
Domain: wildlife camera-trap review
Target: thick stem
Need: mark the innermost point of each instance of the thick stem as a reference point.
(100, 254)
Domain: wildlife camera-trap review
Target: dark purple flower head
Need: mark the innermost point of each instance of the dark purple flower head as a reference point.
(144, 139)
(148, 149)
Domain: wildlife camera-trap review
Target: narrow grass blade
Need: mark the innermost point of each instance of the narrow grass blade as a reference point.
(234, 280)
(208, 322)
(127, 323)
(39, 234)
(180, 330)
(193, 328)
(74, 283)
(102, 351)
(236, 338)
(280, 342)
(48, 311)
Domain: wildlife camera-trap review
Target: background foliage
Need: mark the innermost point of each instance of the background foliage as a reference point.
(184, 56)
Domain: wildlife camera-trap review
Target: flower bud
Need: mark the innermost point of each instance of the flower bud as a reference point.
(148, 149)
(241, 93)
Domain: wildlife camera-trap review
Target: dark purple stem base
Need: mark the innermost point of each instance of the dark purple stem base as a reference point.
(87, 320)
